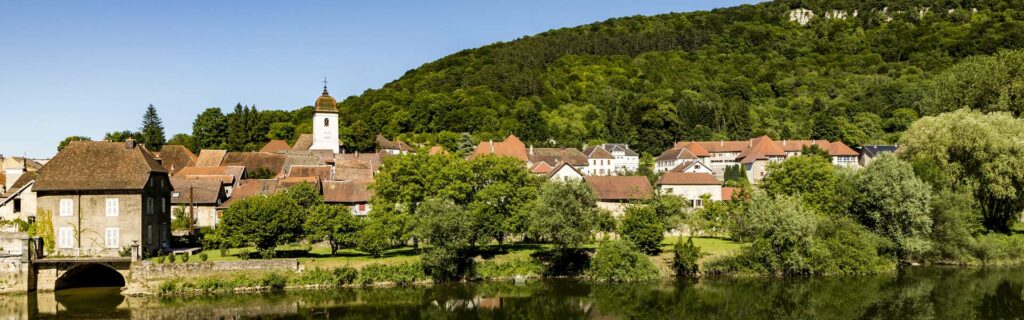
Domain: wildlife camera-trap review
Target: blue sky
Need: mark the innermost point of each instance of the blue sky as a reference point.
(89, 67)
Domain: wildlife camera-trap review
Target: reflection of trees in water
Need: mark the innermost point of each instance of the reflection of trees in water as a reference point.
(910, 294)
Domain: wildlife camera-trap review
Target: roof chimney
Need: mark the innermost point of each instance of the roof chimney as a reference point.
(491, 143)
(531, 149)
(721, 143)
(783, 141)
(130, 143)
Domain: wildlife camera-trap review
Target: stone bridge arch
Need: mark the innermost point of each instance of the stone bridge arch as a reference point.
(57, 274)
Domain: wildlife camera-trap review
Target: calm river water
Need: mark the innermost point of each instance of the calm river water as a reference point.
(922, 293)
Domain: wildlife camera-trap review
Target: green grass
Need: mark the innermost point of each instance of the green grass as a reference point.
(711, 247)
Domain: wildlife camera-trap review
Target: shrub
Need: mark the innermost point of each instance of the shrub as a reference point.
(491, 269)
(203, 256)
(273, 281)
(618, 261)
(159, 259)
(997, 247)
(170, 258)
(125, 252)
(642, 226)
(327, 277)
(345, 275)
(402, 274)
(169, 286)
(564, 262)
(684, 262)
(184, 258)
(446, 264)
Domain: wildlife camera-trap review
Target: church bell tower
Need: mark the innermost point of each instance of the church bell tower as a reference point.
(325, 123)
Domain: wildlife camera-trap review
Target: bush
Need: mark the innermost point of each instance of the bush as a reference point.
(159, 259)
(445, 264)
(402, 274)
(996, 247)
(564, 262)
(170, 258)
(345, 275)
(519, 267)
(125, 252)
(684, 262)
(203, 256)
(327, 277)
(184, 258)
(642, 226)
(169, 286)
(618, 261)
(273, 281)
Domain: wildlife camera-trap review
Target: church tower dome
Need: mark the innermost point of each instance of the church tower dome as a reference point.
(325, 123)
(326, 103)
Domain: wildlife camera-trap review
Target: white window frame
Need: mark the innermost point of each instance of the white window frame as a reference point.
(113, 207)
(66, 207)
(65, 237)
(112, 238)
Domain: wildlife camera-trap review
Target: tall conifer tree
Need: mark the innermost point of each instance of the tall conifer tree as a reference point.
(152, 131)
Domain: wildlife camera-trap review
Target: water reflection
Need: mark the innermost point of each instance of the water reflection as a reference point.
(912, 294)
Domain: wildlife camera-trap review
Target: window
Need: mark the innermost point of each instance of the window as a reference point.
(163, 205)
(112, 207)
(113, 237)
(65, 207)
(17, 205)
(149, 234)
(65, 237)
(149, 205)
(697, 203)
(327, 122)
(362, 207)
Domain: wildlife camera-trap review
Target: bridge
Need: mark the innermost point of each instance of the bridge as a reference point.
(40, 273)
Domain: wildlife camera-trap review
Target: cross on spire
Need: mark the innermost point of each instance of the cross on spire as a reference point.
(325, 85)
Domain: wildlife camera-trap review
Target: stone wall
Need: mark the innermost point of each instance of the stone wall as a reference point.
(12, 275)
(147, 275)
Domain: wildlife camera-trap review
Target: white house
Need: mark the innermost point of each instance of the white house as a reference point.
(691, 186)
(626, 160)
(600, 162)
(565, 172)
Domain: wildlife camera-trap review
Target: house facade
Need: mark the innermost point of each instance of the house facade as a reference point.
(200, 195)
(103, 197)
(691, 186)
(626, 160)
(600, 162)
(868, 153)
(753, 154)
(614, 193)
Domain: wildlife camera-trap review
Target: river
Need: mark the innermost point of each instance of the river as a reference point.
(919, 293)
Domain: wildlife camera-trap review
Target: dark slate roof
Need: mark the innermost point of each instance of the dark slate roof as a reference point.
(204, 191)
(98, 165)
(876, 150)
(612, 147)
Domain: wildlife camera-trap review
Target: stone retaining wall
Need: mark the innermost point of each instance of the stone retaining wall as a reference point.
(145, 275)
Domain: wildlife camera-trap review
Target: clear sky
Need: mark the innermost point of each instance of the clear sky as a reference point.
(89, 67)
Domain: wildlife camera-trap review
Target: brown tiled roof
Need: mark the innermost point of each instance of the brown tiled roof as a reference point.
(301, 158)
(837, 148)
(727, 193)
(255, 160)
(226, 174)
(761, 148)
(248, 188)
(353, 170)
(3, 178)
(373, 158)
(541, 168)
(554, 156)
(176, 157)
(204, 191)
(22, 181)
(326, 103)
(291, 181)
(303, 143)
(98, 165)
(18, 162)
(384, 143)
(511, 147)
(597, 153)
(436, 150)
(694, 148)
(210, 158)
(682, 166)
(351, 191)
(276, 146)
(322, 171)
(688, 179)
(619, 188)
(675, 154)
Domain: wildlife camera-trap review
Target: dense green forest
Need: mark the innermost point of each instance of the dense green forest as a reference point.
(730, 73)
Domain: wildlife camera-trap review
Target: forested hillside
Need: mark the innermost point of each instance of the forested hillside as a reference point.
(860, 71)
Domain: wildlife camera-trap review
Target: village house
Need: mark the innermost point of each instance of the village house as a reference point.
(600, 162)
(868, 153)
(230, 176)
(354, 194)
(510, 147)
(176, 157)
(691, 186)
(104, 197)
(626, 160)
(17, 198)
(201, 195)
(392, 147)
(555, 156)
(614, 193)
(753, 154)
(276, 146)
(564, 172)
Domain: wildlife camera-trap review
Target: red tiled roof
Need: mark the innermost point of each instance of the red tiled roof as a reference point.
(248, 188)
(227, 174)
(554, 156)
(303, 142)
(688, 179)
(618, 188)
(276, 146)
(727, 193)
(511, 147)
(541, 168)
(322, 172)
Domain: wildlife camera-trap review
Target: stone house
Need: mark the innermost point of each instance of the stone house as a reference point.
(626, 160)
(354, 194)
(565, 172)
(753, 154)
(870, 152)
(19, 203)
(202, 195)
(691, 186)
(615, 192)
(104, 197)
(600, 162)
